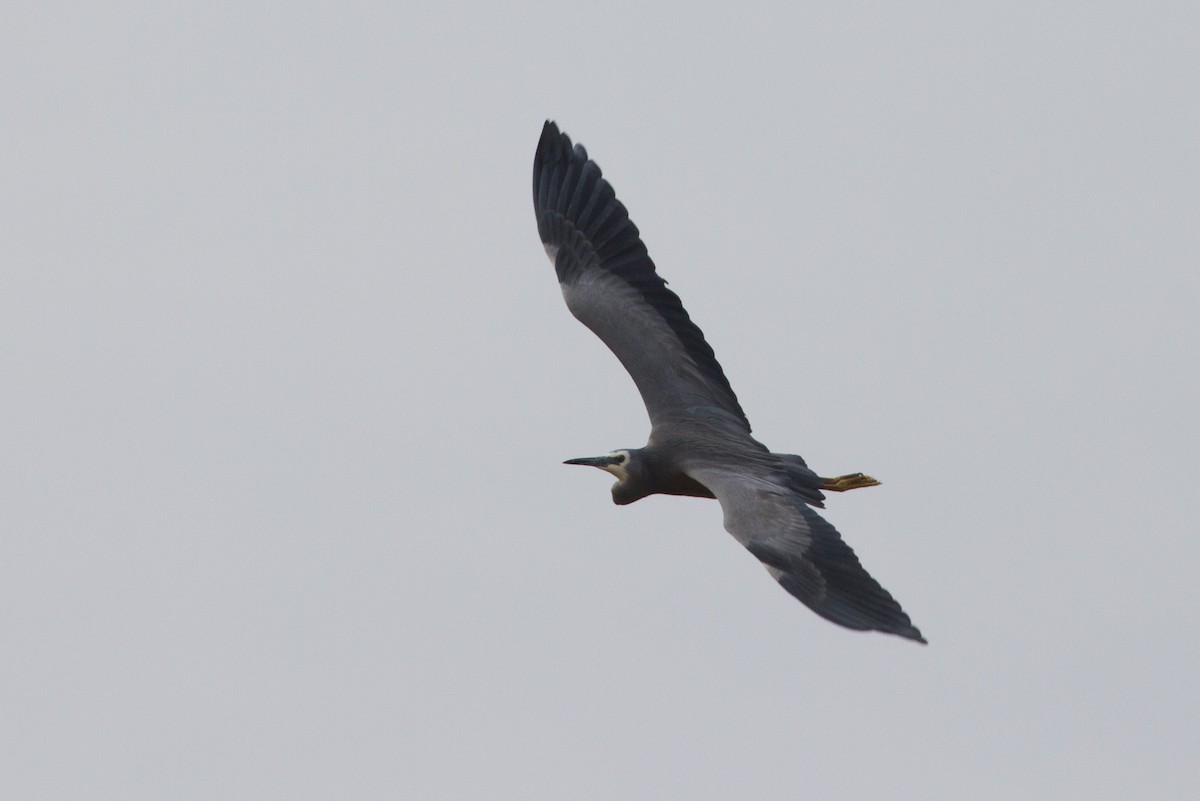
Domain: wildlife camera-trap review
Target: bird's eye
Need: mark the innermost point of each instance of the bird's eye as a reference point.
(620, 458)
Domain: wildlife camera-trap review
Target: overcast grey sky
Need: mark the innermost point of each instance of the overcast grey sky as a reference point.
(287, 384)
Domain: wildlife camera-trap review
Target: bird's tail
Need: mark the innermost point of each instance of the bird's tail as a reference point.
(801, 480)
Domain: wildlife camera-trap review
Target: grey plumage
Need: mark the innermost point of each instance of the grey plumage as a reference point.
(700, 443)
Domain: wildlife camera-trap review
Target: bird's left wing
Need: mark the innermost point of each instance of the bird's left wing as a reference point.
(802, 551)
(610, 284)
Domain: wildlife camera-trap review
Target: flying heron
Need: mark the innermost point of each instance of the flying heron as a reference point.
(700, 443)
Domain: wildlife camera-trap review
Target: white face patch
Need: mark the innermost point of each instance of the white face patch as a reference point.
(618, 470)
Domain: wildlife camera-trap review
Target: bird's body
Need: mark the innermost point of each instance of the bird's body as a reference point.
(700, 443)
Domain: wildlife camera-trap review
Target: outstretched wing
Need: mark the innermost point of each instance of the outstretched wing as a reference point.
(611, 286)
(804, 553)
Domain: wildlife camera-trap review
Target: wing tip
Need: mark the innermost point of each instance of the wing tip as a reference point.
(555, 146)
(550, 142)
(827, 577)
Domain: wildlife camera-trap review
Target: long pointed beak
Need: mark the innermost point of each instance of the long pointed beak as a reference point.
(593, 461)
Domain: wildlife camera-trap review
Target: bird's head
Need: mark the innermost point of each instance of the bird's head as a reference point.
(614, 463)
(621, 464)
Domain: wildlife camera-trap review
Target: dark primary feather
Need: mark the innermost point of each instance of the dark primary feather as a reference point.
(804, 553)
(587, 229)
(828, 578)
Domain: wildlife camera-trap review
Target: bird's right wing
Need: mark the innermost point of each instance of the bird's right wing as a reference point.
(802, 551)
(611, 286)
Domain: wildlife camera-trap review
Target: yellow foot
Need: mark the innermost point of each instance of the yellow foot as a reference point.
(848, 482)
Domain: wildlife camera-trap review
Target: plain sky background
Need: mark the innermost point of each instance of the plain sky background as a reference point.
(287, 382)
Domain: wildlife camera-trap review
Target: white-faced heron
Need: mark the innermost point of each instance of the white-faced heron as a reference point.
(700, 443)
